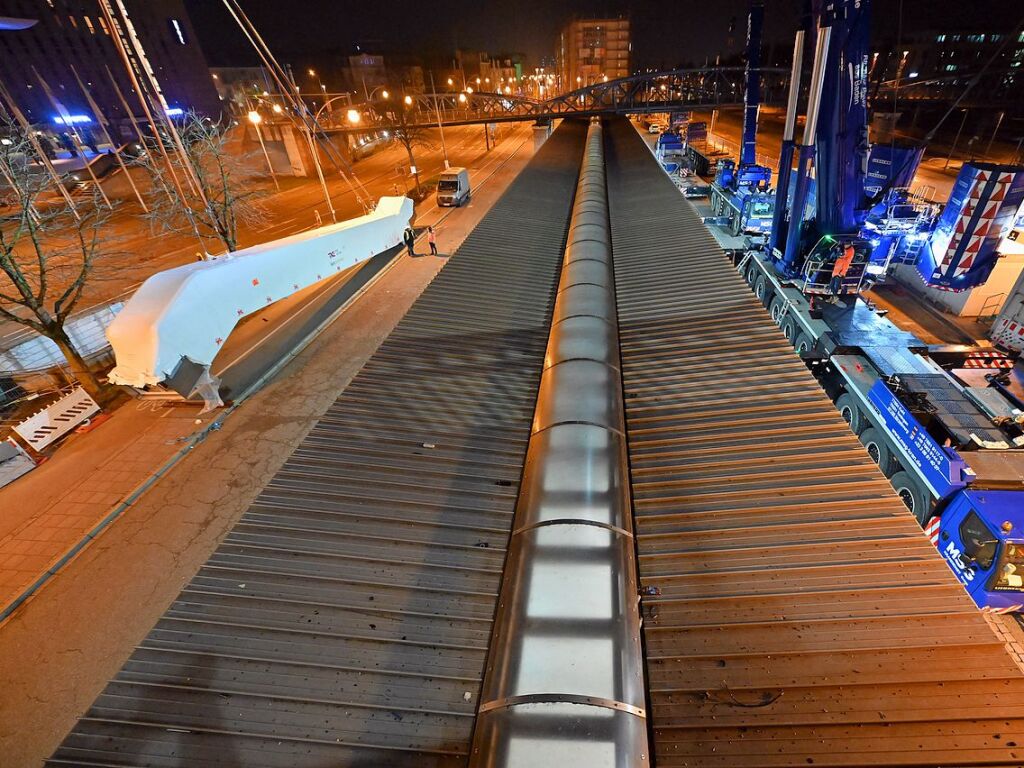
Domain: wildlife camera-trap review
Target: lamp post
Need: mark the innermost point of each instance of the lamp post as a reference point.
(256, 118)
(440, 126)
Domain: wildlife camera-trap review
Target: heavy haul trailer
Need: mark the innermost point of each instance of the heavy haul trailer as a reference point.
(953, 452)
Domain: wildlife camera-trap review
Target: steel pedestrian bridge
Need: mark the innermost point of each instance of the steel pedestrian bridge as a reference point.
(674, 90)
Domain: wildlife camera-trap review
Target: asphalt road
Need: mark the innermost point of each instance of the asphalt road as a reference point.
(265, 337)
(136, 251)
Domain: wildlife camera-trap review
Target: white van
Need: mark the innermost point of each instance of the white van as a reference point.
(453, 187)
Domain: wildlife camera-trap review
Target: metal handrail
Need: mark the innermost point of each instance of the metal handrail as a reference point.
(985, 304)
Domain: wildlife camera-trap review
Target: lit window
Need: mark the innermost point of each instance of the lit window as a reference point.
(178, 31)
(88, 23)
(940, 39)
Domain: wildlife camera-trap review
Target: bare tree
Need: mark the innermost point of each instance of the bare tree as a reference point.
(408, 135)
(48, 251)
(210, 191)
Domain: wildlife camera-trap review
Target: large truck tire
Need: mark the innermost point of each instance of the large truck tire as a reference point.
(913, 494)
(789, 329)
(775, 309)
(803, 343)
(752, 272)
(880, 452)
(851, 413)
(762, 290)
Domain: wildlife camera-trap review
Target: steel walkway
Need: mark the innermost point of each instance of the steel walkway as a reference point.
(801, 617)
(345, 619)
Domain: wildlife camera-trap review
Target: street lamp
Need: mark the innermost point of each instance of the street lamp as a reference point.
(462, 98)
(450, 81)
(469, 89)
(278, 109)
(408, 101)
(385, 94)
(256, 118)
(354, 117)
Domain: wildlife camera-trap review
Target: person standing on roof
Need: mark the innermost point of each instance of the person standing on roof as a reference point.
(840, 268)
(409, 238)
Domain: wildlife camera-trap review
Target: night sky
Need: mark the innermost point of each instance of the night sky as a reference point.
(666, 33)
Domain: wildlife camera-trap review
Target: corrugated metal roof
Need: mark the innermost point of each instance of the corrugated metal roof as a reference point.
(345, 619)
(803, 617)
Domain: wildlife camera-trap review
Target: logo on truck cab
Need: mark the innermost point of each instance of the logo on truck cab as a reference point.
(953, 554)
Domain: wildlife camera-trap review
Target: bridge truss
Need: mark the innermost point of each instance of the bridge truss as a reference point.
(666, 91)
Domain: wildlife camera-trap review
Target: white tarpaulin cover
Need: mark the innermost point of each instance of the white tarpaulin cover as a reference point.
(189, 311)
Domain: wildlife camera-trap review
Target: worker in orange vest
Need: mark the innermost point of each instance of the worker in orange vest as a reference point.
(840, 268)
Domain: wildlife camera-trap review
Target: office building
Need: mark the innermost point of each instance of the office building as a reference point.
(74, 35)
(591, 51)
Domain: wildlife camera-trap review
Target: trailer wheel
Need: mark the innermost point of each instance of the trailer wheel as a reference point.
(913, 495)
(762, 291)
(789, 330)
(879, 452)
(752, 273)
(803, 343)
(775, 310)
(851, 414)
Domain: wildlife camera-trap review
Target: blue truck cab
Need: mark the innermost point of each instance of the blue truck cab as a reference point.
(741, 198)
(969, 497)
(980, 534)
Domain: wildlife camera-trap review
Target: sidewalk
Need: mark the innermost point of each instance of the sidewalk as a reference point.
(46, 513)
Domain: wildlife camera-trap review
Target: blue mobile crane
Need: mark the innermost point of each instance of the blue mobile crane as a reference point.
(941, 424)
(740, 196)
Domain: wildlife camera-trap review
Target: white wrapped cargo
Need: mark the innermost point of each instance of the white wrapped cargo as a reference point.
(186, 313)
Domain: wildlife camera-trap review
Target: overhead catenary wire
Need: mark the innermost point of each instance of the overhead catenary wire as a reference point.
(299, 108)
(286, 93)
(140, 54)
(115, 35)
(76, 140)
(104, 125)
(26, 127)
(327, 145)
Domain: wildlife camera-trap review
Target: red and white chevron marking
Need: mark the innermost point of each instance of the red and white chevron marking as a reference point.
(977, 237)
(1007, 609)
(932, 530)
